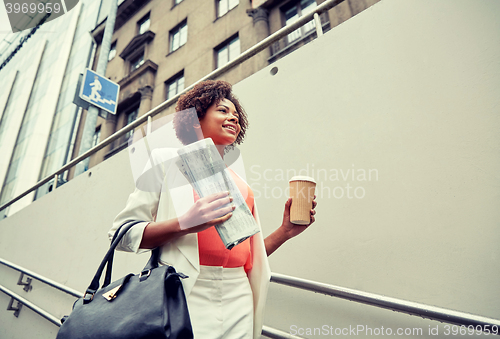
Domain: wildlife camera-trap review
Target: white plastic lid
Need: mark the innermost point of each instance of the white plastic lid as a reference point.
(301, 178)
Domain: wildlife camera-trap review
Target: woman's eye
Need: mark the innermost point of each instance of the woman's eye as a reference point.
(226, 112)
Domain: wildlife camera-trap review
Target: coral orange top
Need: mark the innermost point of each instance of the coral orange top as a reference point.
(210, 246)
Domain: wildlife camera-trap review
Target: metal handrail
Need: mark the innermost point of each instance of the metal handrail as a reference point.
(398, 305)
(266, 331)
(274, 333)
(325, 6)
(32, 306)
(41, 278)
(412, 308)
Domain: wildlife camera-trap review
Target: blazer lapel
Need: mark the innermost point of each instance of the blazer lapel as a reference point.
(182, 199)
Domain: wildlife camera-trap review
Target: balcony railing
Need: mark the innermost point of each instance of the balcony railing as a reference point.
(285, 45)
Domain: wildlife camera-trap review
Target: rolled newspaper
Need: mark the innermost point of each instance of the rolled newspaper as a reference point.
(202, 165)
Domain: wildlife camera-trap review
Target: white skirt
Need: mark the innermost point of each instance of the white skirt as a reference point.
(221, 304)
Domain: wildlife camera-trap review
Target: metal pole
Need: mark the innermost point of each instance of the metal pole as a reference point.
(317, 23)
(41, 278)
(32, 306)
(273, 333)
(93, 112)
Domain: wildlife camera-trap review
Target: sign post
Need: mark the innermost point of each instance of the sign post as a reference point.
(99, 91)
(92, 113)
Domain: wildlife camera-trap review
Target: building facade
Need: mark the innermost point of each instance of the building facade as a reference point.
(37, 115)
(161, 47)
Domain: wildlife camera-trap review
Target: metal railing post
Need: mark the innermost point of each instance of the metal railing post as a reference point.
(317, 23)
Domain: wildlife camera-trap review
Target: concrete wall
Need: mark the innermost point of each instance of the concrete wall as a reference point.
(408, 90)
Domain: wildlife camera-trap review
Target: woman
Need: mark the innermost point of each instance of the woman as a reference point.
(226, 290)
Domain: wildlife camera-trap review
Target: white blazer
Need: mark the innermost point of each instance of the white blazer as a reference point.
(163, 194)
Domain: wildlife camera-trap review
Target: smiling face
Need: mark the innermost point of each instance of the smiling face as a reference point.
(221, 123)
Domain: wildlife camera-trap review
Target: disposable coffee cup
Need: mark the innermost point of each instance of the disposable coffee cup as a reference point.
(302, 193)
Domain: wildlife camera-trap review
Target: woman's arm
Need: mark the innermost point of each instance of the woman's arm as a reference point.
(206, 212)
(287, 230)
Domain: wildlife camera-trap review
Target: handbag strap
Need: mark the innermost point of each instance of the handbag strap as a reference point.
(152, 263)
(109, 265)
(108, 260)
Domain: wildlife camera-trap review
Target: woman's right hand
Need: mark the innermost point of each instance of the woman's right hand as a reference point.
(207, 212)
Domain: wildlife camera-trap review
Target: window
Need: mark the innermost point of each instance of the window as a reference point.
(228, 51)
(112, 51)
(136, 62)
(224, 6)
(131, 116)
(175, 85)
(143, 24)
(178, 36)
(292, 14)
(97, 136)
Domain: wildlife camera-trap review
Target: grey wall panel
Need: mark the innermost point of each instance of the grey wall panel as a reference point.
(409, 90)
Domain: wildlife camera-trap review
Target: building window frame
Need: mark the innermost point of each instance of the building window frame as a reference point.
(176, 2)
(300, 10)
(144, 24)
(178, 36)
(227, 51)
(136, 61)
(174, 85)
(129, 117)
(97, 136)
(224, 6)
(112, 51)
(127, 113)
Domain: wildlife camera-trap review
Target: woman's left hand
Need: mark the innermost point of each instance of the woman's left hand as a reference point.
(292, 230)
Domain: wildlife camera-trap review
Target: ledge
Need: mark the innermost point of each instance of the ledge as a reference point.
(147, 66)
(296, 44)
(137, 42)
(124, 12)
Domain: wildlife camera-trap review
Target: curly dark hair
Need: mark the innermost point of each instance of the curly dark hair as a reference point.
(201, 97)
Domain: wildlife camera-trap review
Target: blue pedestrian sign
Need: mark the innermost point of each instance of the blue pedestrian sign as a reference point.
(99, 91)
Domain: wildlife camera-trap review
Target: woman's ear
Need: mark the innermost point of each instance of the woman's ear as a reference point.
(198, 131)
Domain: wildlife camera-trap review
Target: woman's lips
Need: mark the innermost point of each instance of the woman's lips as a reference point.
(231, 129)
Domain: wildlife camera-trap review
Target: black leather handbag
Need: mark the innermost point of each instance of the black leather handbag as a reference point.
(149, 305)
